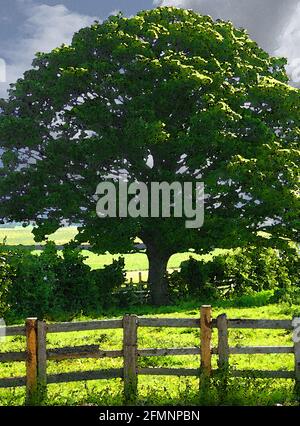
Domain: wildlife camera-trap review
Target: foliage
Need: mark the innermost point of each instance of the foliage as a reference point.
(133, 295)
(168, 83)
(190, 283)
(108, 280)
(33, 288)
(50, 285)
(241, 272)
(172, 390)
(288, 289)
(133, 261)
(6, 277)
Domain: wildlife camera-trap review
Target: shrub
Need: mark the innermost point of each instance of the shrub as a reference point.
(49, 284)
(33, 286)
(242, 272)
(252, 270)
(75, 286)
(192, 280)
(107, 280)
(6, 277)
(130, 297)
(288, 288)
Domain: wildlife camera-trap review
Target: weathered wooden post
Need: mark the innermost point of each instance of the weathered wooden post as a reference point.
(205, 345)
(31, 361)
(42, 361)
(296, 340)
(223, 353)
(205, 333)
(130, 358)
(223, 347)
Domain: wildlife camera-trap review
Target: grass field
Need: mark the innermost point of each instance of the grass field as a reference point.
(133, 262)
(20, 235)
(160, 390)
(169, 390)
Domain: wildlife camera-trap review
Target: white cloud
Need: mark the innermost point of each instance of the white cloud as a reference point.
(45, 28)
(2, 71)
(290, 46)
(274, 24)
(115, 12)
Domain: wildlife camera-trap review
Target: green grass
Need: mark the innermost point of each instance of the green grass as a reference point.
(20, 235)
(160, 390)
(169, 390)
(137, 261)
(133, 262)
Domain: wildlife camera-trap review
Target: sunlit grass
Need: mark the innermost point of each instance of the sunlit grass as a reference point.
(24, 236)
(165, 390)
(133, 261)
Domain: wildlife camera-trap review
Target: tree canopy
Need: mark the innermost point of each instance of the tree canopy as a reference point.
(167, 95)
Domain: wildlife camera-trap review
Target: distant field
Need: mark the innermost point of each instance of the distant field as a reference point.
(136, 261)
(20, 235)
(133, 262)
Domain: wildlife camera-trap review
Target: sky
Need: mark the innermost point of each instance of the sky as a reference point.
(28, 26)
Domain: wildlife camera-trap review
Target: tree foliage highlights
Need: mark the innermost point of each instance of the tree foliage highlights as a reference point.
(197, 96)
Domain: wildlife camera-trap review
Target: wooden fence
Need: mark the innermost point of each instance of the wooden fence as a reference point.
(37, 354)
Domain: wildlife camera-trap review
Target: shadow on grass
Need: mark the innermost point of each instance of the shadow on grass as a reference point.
(259, 299)
(246, 301)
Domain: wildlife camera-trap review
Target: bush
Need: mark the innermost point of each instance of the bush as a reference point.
(130, 296)
(75, 289)
(192, 280)
(242, 272)
(34, 284)
(6, 277)
(107, 281)
(48, 285)
(288, 288)
(252, 270)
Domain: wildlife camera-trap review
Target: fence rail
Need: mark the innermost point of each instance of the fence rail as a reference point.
(36, 354)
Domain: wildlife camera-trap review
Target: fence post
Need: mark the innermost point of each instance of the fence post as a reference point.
(31, 361)
(223, 347)
(130, 358)
(296, 340)
(205, 343)
(42, 360)
(223, 353)
(140, 277)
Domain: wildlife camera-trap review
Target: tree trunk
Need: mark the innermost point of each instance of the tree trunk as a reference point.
(157, 277)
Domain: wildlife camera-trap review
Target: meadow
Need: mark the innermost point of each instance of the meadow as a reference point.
(169, 390)
(134, 262)
(161, 390)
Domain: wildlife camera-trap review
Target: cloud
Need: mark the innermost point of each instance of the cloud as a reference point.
(290, 46)
(274, 24)
(2, 71)
(115, 12)
(45, 28)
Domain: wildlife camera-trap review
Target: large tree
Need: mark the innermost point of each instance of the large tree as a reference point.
(168, 95)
